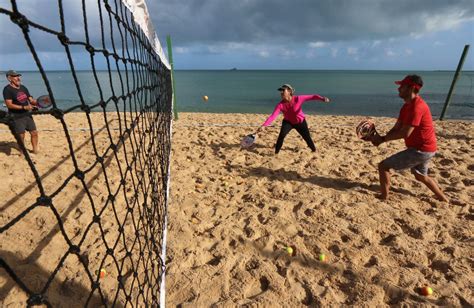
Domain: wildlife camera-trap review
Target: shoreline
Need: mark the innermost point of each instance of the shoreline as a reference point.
(266, 114)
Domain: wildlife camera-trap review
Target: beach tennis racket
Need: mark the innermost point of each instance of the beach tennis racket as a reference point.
(44, 101)
(366, 130)
(248, 141)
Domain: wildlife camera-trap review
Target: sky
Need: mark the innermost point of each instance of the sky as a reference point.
(268, 34)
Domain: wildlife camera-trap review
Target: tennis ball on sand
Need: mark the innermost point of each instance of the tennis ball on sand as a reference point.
(322, 257)
(205, 98)
(289, 250)
(426, 291)
(101, 273)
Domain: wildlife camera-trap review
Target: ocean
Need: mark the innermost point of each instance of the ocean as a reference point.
(366, 93)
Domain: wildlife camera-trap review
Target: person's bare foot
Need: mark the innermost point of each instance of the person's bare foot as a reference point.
(442, 199)
(381, 197)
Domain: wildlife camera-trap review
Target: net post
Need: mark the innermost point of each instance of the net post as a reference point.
(455, 79)
(170, 56)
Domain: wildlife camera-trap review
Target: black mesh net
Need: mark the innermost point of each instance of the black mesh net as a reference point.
(86, 228)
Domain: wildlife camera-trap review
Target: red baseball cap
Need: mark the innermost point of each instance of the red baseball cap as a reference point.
(410, 81)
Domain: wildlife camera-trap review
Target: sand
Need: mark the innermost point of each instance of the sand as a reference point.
(37, 247)
(233, 212)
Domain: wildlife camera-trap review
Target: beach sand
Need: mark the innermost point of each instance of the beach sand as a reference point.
(36, 245)
(233, 212)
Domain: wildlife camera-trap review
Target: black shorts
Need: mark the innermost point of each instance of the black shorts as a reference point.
(24, 122)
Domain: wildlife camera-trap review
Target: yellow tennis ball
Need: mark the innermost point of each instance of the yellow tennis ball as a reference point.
(322, 257)
(205, 98)
(101, 273)
(426, 291)
(289, 250)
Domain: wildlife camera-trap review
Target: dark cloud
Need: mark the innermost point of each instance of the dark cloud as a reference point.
(46, 13)
(272, 22)
(282, 21)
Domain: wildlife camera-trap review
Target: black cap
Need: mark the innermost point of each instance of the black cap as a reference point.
(12, 73)
(286, 86)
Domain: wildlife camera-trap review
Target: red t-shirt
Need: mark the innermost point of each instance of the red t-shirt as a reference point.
(417, 114)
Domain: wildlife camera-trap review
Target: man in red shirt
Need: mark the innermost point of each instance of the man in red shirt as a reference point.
(415, 125)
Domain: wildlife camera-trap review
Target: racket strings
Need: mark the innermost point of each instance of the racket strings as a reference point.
(248, 141)
(365, 129)
(44, 101)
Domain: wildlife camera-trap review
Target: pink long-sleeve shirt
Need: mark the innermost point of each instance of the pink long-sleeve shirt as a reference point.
(292, 111)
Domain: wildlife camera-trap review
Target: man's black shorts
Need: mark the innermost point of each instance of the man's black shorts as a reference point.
(24, 122)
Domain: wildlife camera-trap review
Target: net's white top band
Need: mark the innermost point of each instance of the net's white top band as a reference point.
(142, 18)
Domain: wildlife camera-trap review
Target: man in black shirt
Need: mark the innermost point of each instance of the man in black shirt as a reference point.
(19, 103)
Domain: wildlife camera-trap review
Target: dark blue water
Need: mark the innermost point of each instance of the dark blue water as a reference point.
(370, 93)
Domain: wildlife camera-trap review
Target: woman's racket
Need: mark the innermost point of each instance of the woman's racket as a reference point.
(248, 141)
(366, 130)
(44, 101)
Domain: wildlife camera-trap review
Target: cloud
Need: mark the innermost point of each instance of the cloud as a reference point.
(278, 21)
(263, 29)
(264, 54)
(181, 50)
(376, 43)
(318, 44)
(287, 53)
(390, 53)
(352, 51)
(265, 21)
(48, 16)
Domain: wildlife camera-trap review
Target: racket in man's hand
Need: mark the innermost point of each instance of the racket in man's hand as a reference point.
(44, 101)
(366, 130)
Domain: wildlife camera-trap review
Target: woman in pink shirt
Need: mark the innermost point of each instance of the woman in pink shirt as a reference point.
(291, 106)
